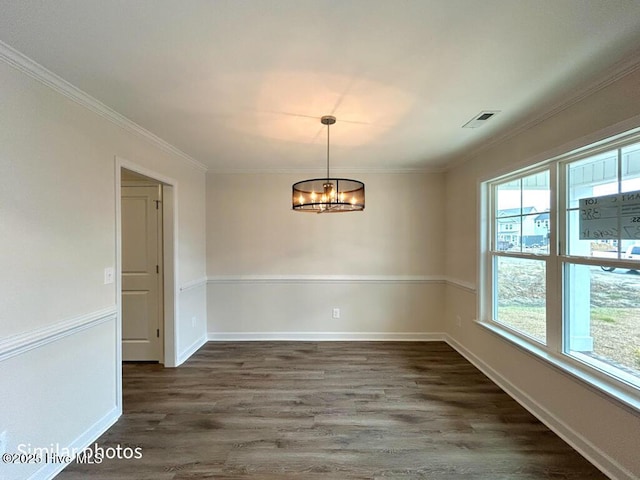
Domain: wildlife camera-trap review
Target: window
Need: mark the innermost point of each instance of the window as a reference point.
(602, 302)
(561, 261)
(520, 274)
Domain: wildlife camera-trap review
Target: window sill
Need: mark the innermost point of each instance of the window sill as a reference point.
(627, 395)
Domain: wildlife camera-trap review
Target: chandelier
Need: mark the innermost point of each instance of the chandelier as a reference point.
(328, 195)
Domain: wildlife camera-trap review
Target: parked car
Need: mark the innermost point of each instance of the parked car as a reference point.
(504, 245)
(632, 253)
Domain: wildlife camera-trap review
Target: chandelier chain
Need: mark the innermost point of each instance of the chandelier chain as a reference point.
(328, 128)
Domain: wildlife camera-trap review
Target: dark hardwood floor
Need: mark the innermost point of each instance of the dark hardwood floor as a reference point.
(327, 410)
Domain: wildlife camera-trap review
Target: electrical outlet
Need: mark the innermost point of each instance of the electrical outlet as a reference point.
(193, 321)
(3, 442)
(336, 313)
(458, 321)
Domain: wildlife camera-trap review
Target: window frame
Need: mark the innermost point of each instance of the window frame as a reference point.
(494, 253)
(625, 389)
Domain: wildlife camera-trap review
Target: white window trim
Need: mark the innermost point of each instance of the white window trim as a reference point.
(627, 393)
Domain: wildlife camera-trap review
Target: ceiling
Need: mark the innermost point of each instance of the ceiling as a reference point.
(241, 84)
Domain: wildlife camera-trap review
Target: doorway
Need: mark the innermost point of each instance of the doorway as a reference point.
(151, 336)
(142, 268)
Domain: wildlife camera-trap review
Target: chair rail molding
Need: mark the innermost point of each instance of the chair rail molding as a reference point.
(23, 342)
(299, 279)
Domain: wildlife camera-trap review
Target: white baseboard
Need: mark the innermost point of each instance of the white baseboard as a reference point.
(325, 336)
(190, 350)
(597, 457)
(50, 470)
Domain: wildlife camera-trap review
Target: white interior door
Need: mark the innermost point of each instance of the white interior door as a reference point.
(141, 273)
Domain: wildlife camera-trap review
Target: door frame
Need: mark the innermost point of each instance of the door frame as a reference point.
(169, 258)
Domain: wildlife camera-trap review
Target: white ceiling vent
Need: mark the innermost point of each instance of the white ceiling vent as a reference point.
(481, 119)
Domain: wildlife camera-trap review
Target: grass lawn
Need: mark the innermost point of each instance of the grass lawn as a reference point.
(615, 331)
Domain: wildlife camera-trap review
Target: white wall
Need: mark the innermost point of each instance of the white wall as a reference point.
(58, 321)
(276, 273)
(602, 429)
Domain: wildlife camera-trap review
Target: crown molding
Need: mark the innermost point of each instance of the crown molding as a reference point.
(322, 172)
(619, 70)
(24, 64)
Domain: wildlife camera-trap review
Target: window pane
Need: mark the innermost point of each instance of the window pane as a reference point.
(592, 177)
(522, 214)
(631, 168)
(536, 194)
(605, 248)
(520, 300)
(602, 321)
(508, 197)
(536, 233)
(507, 233)
(508, 212)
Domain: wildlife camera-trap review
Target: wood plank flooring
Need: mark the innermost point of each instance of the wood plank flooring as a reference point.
(327, 410)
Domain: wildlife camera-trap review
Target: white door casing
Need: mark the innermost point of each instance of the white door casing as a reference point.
(142, 313)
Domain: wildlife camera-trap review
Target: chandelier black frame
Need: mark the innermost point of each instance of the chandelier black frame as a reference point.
(329, 194)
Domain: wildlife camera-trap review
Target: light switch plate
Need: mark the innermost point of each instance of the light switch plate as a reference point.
(108, 275)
